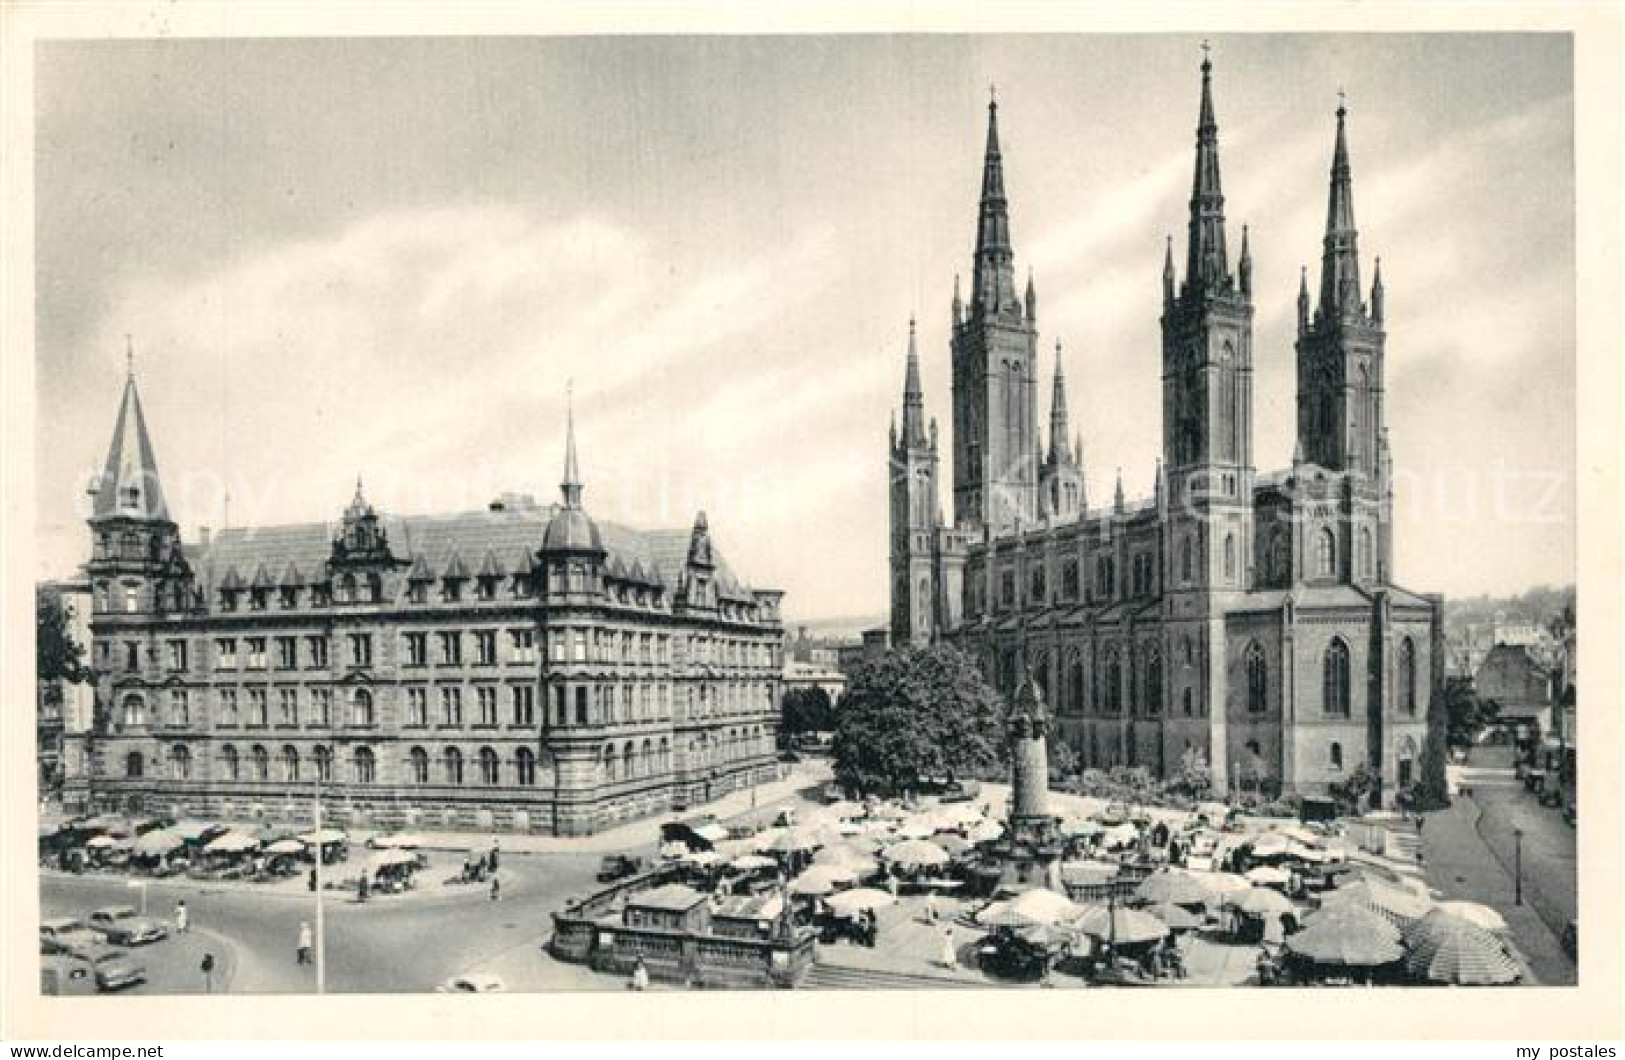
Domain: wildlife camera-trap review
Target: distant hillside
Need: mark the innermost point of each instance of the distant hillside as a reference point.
(848, 628)
(1538, 605)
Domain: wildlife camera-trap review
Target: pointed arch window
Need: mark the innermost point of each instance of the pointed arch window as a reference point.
(1257, 679)
(262, 763)
(1335, 680)
(364, 765)
(453, 762)
(290, 763)
(324, 763)
(1153, 681)
(525, 766)
(1405, 678)
(1229, 557)
(1367, 563)
(417, 761)
(229, 763)
(490, 769)
(1326, 553)
(1186, 559)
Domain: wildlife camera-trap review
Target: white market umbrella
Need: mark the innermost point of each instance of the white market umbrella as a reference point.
(862, 898)
(232, 843)
(752, 862)
(1268, 876)
(1476, 914)
(820, 880)
(286, 846)
(389, 858)
(916, 853)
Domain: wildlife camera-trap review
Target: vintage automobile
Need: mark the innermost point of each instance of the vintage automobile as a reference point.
(64, 934)
(473, 983)
(121, 925)
(63, 975)
(614, 867)
(115, 967)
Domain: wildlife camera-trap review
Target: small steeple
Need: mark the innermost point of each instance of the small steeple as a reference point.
(1058, 429)
(570, 488)
(913, 396)
(1117, 498)
(1376, 291)
(1208, 265)
(959, 304)
(1340, 258)
(1303, 299)
(1245, 267)
(1031, 299)
(129, 485)
(1077, 452)
(993, 288)
(1168, 272)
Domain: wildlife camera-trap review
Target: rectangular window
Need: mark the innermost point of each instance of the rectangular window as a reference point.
(288, 707)
(417, 707)
(557, 646)
(257, 599)
(132, 655)
(417, 649)
(451, 648)
(256, 653)
(287, 653)
(317, 649)
(256, 707)
(485, 648)
(579, 639)
(180, 707)
(321, 707)
(451, 707)
(524, 705)
(1007, 589)
(228, 706)
(488, 705)
(290, 598)
(452, 590)
(360, 649)
(522, 645)
(177, 656)
(418, 592)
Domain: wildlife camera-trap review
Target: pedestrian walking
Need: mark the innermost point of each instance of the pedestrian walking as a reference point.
(496, 889)
(306, 942)
(640, 976)
(494, 858)
(181, 923)
(949, 960)
(930, 907)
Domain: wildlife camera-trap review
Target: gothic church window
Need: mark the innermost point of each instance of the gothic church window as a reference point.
(1335, 680)
(1325, 553)
(1366, 563)
(1406, 676)
(1069, 579)
(1185, 560)
(1036, 585)
(1153, 681)
(1229, 557)
(1257, 679)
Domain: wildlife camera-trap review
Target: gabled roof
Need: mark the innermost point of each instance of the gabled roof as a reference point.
(455, 567)
(290, 576)
(491, 567)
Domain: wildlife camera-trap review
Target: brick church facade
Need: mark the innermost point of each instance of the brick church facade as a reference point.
(1250, 618)
(524, 668)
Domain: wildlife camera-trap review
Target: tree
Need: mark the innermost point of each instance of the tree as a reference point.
(1353, 793)
(915, 713)
(58, 657)
(1194, 778)
(1465, 713)
(1063, 760)
(805, 710)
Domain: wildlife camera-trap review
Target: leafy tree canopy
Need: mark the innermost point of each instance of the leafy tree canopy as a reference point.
(916, 713)
(57, 656)
(806, 710)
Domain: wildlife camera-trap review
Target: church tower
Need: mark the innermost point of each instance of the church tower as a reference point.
(913, 513)
(1340, 386)
(136, 566)
(995, 386)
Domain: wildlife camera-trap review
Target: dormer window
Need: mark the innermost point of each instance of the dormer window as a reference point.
(418, 592)
(228, 599)
(486, 588)
(257, 599)
(289, 598)
(451, 590)
(130, 496)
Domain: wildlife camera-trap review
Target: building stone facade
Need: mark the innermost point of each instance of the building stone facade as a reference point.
(524, 668)
(1250, 618)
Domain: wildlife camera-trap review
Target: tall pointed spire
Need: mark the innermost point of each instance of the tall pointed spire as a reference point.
(1208, 265)
(1117, 496)
(1245, 267)
(913, 396)
(993, 286)
(1303, 299)
(959, 303)
(1340, 259)
(1376, 291)
(1059, 453)
(129, 485)
(571, 486)
(1168, 272)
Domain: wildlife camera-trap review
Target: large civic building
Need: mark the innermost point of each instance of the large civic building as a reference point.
(1252, 619)
(524, 668)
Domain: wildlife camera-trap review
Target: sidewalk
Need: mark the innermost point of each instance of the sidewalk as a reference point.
(1461, 866)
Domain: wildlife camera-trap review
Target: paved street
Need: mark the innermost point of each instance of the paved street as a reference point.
(1470, 855)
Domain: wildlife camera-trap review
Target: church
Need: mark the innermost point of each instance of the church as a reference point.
(524, 668)
(1248, 619)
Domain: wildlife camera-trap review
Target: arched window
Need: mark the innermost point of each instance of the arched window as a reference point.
(133, 764)
(375, 588)
(1112, 690)
(524, 764)
(1367, 562)
(324, 763)
(1325, 553)
(1257, 679)
(609, 763)
(1229, 557)
(135, 710)
(361, 707)
(1076, 691)
(1405, 677)
(262, 762)
(228, 762)
(648, 757)
(347, 589)
(490, 770)
(1186, 560)
(1335, 680)
(629, 764)
(1153, 681)
(364, 763)
(418, 763)
(180, 762)
(290, 763)
(1337, 756)
(453, 760)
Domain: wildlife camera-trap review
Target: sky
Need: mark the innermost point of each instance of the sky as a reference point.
(393, 258)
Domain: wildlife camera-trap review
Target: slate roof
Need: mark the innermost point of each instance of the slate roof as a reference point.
(432, 543)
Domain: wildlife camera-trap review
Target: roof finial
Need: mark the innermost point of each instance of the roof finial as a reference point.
(1342, 101)
(1207, 60)
(992, 94)
(571, 486)
(129, 355)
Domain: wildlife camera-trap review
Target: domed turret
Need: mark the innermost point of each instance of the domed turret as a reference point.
(571, 529)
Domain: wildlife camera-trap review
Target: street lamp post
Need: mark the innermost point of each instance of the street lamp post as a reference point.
(321, 955)
(1517, 866)
(139, 885)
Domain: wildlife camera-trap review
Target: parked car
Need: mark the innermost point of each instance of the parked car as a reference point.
(477, 983)
(121, 925)
(64, 934)
(617, 867)
(115, 968)
(62, 975)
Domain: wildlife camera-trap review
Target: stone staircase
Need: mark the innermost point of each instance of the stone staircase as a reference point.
(845, 977)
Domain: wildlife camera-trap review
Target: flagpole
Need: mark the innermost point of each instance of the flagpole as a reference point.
(321, 953)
